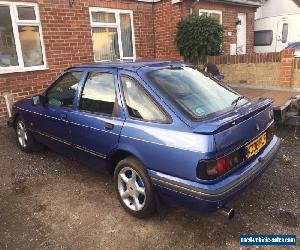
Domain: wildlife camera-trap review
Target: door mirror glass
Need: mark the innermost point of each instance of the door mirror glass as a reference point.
(38, 99)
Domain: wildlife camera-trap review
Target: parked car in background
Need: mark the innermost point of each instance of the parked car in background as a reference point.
(168, 132)
(273, 34)
(296, 47)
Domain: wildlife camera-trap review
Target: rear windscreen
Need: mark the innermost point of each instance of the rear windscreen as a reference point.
(192, 92)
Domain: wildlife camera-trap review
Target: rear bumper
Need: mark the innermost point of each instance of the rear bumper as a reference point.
(210, 197)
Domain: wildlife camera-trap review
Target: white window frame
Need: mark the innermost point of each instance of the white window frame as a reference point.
(212, 12)
(15, 23)
(116, 25)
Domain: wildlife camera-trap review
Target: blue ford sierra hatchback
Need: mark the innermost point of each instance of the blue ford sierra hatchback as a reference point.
(167, 131)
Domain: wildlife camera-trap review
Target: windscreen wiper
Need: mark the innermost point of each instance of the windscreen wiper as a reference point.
(235, 102)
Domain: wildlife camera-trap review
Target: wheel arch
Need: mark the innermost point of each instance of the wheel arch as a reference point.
(14, 119)
(119, 154)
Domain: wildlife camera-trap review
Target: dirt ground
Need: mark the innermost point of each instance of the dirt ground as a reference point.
(48, 201)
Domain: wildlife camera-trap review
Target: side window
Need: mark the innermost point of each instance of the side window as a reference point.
(62, 92)
(285, 31)
(139, 104)
(99, 94)
(263, 37)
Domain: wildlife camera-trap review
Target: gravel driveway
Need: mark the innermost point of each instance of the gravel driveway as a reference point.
(48, 201)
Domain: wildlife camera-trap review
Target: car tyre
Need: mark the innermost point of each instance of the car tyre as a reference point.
(25, 140)
(134, 188)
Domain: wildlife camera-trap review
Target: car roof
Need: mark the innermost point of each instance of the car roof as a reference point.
(131, 66)
(292, 45)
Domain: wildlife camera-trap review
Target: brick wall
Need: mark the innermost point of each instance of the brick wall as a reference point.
(167, 15)
(278, 69)
(296, 74)
(286, 67)
(68, 41)
(261, 74)
(230, 14)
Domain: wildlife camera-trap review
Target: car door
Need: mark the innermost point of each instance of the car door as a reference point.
(97, 123)
(52, 123)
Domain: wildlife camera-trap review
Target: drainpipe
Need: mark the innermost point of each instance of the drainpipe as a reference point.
(153, 24)
(193, 4)
(7, 99)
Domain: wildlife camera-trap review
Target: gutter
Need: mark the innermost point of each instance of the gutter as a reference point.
(236, 2)
(241, 2)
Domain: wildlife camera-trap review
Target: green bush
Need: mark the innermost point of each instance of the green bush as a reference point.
(199, 36)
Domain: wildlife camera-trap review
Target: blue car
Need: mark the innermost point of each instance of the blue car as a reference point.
(166, 131)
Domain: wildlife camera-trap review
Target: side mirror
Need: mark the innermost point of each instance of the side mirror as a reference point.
(38, 99)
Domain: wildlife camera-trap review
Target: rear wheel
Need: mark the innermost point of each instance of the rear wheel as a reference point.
(134, 188)
(25, 140)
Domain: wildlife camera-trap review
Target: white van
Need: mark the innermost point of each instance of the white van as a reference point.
(272, 34)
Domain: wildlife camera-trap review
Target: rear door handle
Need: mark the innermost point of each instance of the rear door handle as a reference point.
(109, 126)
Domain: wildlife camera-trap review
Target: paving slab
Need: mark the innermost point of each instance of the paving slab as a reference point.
(279, 97)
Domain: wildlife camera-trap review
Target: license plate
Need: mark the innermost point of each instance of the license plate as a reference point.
(255, 146)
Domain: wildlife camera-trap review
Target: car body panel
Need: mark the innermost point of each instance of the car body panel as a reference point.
(210, 197)
(86, 127)
(171, 151)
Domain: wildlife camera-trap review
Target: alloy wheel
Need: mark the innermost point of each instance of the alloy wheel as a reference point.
(22, 134)
(131, 189)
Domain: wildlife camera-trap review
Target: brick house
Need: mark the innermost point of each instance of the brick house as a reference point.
(39, 38)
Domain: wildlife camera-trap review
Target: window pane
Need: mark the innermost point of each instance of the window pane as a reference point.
(285, 31)
(126, 35)
(62, 93)
(98, 94)
(103, 17)
(105, 43)
(8, 54)
(263, 37)
(216, 16)
(139, 104)
(192, 92)
(31, 46)
(26, 13)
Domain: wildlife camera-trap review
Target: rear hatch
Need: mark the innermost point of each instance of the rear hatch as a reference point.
(238, 127)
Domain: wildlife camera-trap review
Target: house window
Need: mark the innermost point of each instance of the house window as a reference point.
(215, 14)
(21, 42)
(112, 33)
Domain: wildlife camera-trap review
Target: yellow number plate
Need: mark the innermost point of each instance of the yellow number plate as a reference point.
(255, 146)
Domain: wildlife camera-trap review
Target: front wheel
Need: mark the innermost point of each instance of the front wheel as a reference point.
(134, 188)
(25, 140)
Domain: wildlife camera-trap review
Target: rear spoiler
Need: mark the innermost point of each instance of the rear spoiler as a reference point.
(231, 119)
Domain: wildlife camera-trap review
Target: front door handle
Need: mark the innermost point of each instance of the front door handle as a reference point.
(108, 126)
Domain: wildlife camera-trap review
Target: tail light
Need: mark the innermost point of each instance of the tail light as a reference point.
(210, 170)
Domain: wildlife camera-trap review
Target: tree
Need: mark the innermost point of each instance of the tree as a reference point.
(199, 36)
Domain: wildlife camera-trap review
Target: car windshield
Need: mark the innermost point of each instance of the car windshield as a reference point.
(192, 92)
